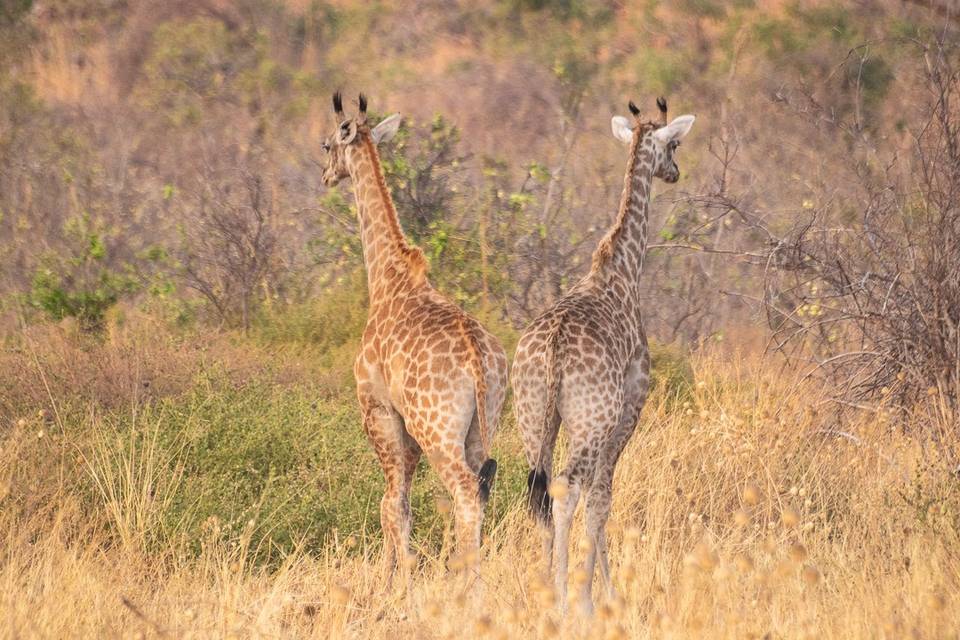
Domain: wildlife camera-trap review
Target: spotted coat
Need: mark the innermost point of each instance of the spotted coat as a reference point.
(430, 379)
(585, 363)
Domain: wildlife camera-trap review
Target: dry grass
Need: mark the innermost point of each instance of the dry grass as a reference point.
(140, 359)
(739, 512)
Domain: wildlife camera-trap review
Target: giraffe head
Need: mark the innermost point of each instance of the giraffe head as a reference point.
(344, 143)
(664, 137)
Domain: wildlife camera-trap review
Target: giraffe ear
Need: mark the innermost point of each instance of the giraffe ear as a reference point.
(621, 129)
(348, 131)
(386, 129)
(675, 130)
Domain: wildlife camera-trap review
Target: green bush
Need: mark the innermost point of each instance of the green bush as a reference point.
(77, 282)
(273, 463)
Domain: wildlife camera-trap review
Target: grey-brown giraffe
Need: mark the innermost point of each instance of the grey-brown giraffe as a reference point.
(430, 379)
(585, 362)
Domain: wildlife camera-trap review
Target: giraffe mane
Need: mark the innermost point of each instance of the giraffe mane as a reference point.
(413, 256)
(604, 251)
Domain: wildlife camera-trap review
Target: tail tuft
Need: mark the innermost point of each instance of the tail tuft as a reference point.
(485, 478)
(538, 499)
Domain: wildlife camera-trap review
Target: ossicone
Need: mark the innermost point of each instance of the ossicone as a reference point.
(337, 103)
(634, 109)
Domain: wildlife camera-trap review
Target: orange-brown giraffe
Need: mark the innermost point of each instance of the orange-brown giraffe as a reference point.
(430, 379)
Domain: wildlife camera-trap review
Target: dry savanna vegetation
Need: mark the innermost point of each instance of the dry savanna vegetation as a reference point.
(738, 513)
(181, 301)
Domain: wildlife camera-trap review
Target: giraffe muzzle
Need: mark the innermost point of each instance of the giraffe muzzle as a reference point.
(674, 175)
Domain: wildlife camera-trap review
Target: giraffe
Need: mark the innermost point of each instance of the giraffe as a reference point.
(585, 362)
(429, 378)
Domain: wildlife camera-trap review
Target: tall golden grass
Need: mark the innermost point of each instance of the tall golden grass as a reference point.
(741, 510)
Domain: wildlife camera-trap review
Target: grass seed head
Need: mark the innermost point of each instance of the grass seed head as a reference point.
(444, 506)
(810, 574)
(790, 517)
(483, 625)
(741, 518)
(798, 552)
(936, 601)
(579, 577)
(751, 494)
(705, 557)
(340, 594)
(558, 489)
(549, 629)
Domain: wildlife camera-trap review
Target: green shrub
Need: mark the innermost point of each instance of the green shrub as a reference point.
(78, 282)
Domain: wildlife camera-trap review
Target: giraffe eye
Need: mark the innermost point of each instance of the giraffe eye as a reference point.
(326, 147)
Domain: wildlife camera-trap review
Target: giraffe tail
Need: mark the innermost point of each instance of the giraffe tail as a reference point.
(487, 472)
(489, 468)
(538, 498)
(538, 480)
(475, 363)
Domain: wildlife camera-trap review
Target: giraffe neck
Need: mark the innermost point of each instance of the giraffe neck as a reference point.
(620, 252)
(390, 260)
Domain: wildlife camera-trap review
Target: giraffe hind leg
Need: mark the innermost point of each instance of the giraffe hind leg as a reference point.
(600, 496)
(578, 472)
(398, 454)
(461, 481)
